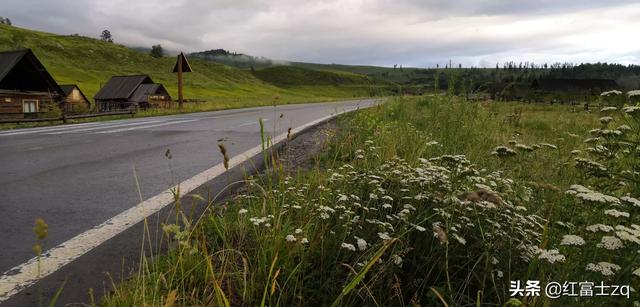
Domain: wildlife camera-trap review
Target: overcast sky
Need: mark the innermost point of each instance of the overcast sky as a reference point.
(417, 33)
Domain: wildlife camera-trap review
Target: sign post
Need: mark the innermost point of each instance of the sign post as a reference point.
(182, 66)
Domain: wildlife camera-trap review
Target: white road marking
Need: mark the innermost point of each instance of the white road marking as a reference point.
(254, 123)
(28, 273)
(104, 127)
(149, 126)
(66, 127)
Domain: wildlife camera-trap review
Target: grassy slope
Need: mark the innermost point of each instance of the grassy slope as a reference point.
(304, 79)
(388, 74)
(291, 76)
(90, 63)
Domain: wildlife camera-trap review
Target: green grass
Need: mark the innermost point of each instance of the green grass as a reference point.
(290, 76)
(408, 206)
(90, 63)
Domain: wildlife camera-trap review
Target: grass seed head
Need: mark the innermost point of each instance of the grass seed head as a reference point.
(41, 229)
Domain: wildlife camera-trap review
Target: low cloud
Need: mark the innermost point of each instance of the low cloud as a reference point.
(380, 32)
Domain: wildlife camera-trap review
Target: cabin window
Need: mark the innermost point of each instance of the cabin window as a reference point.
(8, 99)
(30, 106)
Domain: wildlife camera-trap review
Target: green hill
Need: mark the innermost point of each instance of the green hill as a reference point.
(378, 74)
(90, 63)
(291, 76)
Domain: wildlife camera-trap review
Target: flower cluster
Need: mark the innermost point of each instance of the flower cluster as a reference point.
(611, 189)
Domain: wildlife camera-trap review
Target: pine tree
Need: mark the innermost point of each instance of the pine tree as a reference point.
(106, 36)
(157, 51)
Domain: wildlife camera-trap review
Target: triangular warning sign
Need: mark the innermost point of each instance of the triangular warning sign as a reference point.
(185, 64)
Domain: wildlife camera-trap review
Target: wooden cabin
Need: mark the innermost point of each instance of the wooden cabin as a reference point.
(151, 96)
(74, 100)
(26, 88)
(131, 92)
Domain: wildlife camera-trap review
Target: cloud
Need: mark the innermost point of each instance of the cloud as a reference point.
(381, 32)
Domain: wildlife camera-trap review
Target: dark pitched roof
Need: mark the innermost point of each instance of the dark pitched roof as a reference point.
(67, 88)
(22, 71)
(121, 87)
(9, 59)
(574, 84)
(185, 64)
(140, 95)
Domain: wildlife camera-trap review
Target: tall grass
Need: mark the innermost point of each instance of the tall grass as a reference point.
(412, 203)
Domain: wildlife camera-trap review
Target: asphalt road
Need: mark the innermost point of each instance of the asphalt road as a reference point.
(78, 176)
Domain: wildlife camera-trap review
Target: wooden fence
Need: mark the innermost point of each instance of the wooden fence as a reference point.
(63, 118)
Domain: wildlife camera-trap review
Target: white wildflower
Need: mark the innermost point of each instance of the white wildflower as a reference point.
(549, 145)
(605, 268)
(630, 200)
(624, 128)
(503, 151)
(386, 206)
(633, 93)
(409, 207)
(524, 147)
(626, 236)
(342, 197)
(637, 272)
(348, 246)
(575, 152)
(551, 255)
(609, 93)
(610, 243)
(586, 194)
(460, 239)
(606, 119)
(633, 109)
(616, 213)
(242, 211)
(420, 228)
(304, 241)
(298, 231)
(397, 260)
(290, 238)
(384, 236)
(599, 227)
(373, 196)
(362, 244)
(572, 240)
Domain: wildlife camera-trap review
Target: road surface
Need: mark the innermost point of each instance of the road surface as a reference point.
(78, 176)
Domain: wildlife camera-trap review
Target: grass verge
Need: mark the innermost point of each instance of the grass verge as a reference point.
(424, 201)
